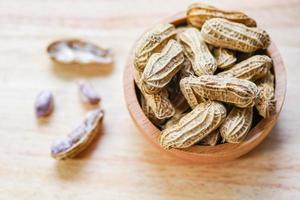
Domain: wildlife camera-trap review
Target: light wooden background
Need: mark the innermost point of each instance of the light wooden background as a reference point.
(122, 164)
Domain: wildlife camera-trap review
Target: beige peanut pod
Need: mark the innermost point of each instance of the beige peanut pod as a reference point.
(251, 69)
(241, 93)
(198, 13)
(150, 114)
(152, 42)
(176, 98)
(236, 125)
(212, 138)
(162, 67)
(224, 58)
(159, 103)
(188, 92)
(187, 68)
(174, 120)
(194, 126)
(196, 50)
(266, 102)
(180, 29)
(223, 33)
(268, 79)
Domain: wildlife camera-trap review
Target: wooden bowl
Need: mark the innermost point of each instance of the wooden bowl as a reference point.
(207, 154)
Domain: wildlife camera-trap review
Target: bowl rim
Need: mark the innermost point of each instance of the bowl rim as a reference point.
(207, 154)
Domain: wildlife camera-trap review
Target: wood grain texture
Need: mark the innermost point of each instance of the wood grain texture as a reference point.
(122, 164)
(207, 154)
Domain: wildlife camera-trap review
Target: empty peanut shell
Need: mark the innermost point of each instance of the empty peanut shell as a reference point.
(78, 52)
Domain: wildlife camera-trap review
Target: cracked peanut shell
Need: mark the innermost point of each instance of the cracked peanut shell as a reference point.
(80, 138)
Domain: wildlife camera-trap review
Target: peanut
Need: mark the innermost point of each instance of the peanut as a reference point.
(195, 49)
(241, 93)
(251, 69)
(152, 42)
(224, 58)
(187, 69)
(223, 33)
(44, 104)
(198, 13)
(88, 93)
(194, 126)
(174, 120)
(79, 52)
(175, 96)
(150, 114)
(236, 125)
(266, 102)
(212, 138)
(189, 94)
(159, 103)
(161, 67)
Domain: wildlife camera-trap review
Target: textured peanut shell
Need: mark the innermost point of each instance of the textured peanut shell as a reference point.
(189, 94)
(241, 93)
(162, 67)
(197, 52)
(150, 114)
(212, 138)
(223, 33)
(175, 96)
(267, 79)
(152, 42)
(80, 138)
(194, 126)
(224, 58)
(180, 29)
(159, 103)
(236, 125)
(198, 13)
(174, 120)
(187, 68)
(251, 69)
(266, 102)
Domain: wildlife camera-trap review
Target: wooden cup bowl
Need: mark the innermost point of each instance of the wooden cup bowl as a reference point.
(207, 154)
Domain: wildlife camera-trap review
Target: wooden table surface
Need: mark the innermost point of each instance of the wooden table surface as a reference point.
(122, 164)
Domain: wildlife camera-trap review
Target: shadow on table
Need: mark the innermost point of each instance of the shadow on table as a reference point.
(71, 169)
(255, 169)
(74, 70)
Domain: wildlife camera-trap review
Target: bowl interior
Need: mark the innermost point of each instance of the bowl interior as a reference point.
(220, 152)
